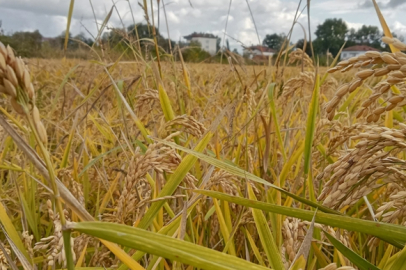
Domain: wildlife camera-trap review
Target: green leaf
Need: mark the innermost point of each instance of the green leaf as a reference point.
(65, 46)
(60, 88)
(233, 169)
(391, 233)
(254, 247)
(351, 255)
(11, 231)
(65, 158)
(265, 235)
(397, 261)
(311, 126)
(173, 182)
(303, 253)
(93, 161)
(163, 246)
(275, 118)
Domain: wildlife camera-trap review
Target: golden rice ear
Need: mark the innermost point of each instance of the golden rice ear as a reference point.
(26, 79)
(332, 104)
(372, 54)
(17, 107)
(394, 80)
(354, 85)
(379, 110)
(387, 40)
(359, 113)
(11, 58)
(11, 76)
(381, 72)
(10, 89)
(41, 132)
(342, 90)
(396, 99)
(387, 58)
(31, 93)
(19, 68)
(35, 115)
(385, 88)
(391, 106)
(363, 74)
(399, 45)
(3, 50)
(3, 65)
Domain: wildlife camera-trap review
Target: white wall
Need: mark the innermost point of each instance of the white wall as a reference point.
(258, 52)
(251, 53)
(349, 54)
(208, 44)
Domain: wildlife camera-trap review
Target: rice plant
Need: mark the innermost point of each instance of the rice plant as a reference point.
(160, 164)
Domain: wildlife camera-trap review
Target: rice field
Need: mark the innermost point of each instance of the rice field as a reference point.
(162, 164)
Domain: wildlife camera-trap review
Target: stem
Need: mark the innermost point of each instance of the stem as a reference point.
(57, 197)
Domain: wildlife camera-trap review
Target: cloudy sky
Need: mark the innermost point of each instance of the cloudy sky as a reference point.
(186, 16)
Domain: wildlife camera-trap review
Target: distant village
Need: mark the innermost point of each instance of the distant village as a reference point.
(329, 38)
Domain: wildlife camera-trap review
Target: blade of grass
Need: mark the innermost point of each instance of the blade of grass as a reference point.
(223, 228)
(254, 247)
(163, 246)
(302, 255)
(265, 235)
(69, 19)
(173, 182)
(65, 157)
(11, 231)
(137, 121)
(350, 255)
(61, 86)
(272, 105)
(385, 27)
(391, 233)
(311, 126)
(233, 169)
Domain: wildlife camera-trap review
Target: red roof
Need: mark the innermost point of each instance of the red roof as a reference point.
(363, 48)
(261, 49)
(204, 35)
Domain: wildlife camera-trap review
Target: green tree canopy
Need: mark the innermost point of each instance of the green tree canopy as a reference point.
(330, 36)
(274, 41)
(26, 44)
(300, 45)
(366, 35)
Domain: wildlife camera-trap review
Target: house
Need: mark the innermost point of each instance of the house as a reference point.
(207, 41)
(258, 52)
(356, 50)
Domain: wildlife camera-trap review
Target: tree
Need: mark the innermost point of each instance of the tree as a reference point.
(27, 44)
(81, 36)
(274, 41)
(330, 36)
(145, 32)
(300, 45)
(366, 35)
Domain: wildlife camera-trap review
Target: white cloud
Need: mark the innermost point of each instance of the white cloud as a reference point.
(399, 28)
(354, 25)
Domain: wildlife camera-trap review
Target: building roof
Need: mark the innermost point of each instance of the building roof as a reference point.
(261, 48)
(363, 48)
(203, 35)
